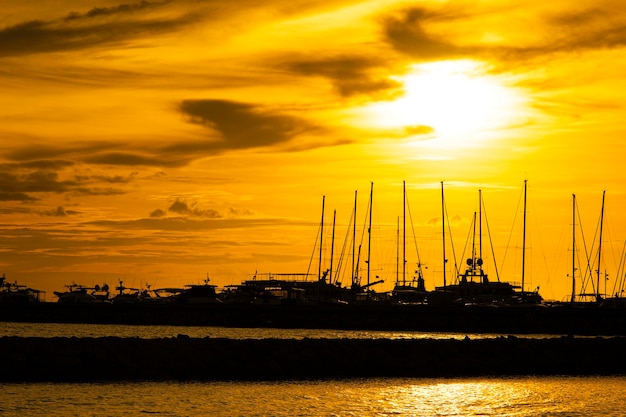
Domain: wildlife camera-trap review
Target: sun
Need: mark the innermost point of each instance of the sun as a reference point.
(453, 100)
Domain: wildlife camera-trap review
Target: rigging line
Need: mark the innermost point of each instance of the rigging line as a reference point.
(584, 272)
(364, 228)
(618, 282)
(591, 264)
(508, 243)
(622, 271)
(612, 240)
(493, 254)
(470, 236)
(537, 232)
(456, 265)
(342, 254)
(419, 261)
(587, 276)
(317, 239)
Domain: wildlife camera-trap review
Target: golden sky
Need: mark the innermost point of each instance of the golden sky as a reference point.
(161, 141)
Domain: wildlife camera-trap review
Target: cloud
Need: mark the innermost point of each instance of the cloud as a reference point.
(99, 26)
(443, 33)
(591, 28)
(351, 75)
(158, 213)
(58, 212)
(136, 158)
(242, 126)
(40, 164)
(406, 33)
(59, 155)
(181, 207)
(34, 181)
(18, 184)
(239, 212)
(178, 224)
(417, 130)
(123, 8)
(15, 196)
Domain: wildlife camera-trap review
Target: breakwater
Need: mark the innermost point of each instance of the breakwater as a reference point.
(185, 358)
(560, 320)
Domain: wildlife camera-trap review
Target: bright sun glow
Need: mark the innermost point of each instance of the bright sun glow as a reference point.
(454, 98)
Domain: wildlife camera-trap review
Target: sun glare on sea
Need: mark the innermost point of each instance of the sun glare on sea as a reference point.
(455, 100)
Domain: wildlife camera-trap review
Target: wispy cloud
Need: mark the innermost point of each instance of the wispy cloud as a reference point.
(99, 26)
(439, 32)
(26, 185)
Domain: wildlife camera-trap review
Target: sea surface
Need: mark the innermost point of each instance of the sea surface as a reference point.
(152, 332)
(527, 396)
(496, 396)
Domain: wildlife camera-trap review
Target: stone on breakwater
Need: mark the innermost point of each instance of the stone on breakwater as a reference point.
(184, 358)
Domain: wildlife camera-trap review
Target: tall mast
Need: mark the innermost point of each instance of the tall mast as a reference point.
(480, 225)
(403, 232)
(369, 234)
(398, 252)
(573, 247)
(354, 271)
(319, 268)
(600, 247)
(332, 249)
(443, 234)
(473, 260)
(524, 239)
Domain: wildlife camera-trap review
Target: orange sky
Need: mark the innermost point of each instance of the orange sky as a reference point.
(161, 141)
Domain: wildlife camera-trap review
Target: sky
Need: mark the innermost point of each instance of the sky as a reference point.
(164, 142)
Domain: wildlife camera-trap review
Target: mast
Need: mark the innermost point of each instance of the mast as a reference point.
(524, 239)
(600, 247)
(369, 235)
(319, 267)
(398, 252)
(403, 232)
(332, 249)
(354, 271)
(573, 247)
(480, 225)
(473, 260)
(443, 234)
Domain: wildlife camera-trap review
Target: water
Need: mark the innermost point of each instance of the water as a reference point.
(520, 396)
(151, 332)
(527, 396)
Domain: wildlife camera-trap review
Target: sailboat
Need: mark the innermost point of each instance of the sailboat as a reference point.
(584, 297)
(362, 292)
(413, 291)
(473, 286)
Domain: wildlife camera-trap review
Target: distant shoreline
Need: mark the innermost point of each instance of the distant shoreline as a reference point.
(63, 359)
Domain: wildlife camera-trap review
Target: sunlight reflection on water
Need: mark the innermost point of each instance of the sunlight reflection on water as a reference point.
(526, 396)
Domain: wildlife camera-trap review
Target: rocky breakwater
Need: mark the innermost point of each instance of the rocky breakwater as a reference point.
(184, 358)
